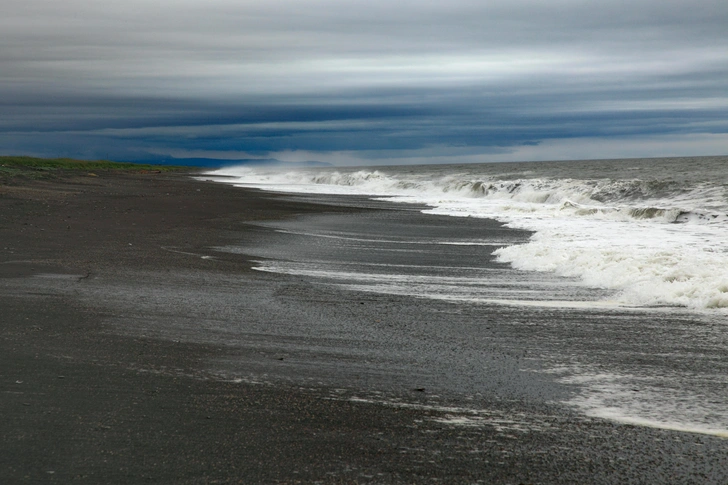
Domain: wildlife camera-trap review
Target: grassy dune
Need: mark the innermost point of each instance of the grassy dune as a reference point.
(40, 168)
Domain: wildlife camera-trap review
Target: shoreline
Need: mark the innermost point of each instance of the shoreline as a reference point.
(97, 389)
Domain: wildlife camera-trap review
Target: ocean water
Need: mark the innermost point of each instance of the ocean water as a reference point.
(653, 230)
(640, 245)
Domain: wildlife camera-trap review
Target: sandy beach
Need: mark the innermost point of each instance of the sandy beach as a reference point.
(134, 350)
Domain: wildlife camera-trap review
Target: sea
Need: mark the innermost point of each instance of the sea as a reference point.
(628, 260)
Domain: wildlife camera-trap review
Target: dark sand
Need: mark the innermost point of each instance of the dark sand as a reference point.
(108, 374)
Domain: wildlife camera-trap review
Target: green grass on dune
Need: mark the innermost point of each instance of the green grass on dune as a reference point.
(40, 168)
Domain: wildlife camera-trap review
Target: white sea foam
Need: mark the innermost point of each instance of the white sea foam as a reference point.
(655, 242)
(650, 401)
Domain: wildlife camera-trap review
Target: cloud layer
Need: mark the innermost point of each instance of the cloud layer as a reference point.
(363, 82)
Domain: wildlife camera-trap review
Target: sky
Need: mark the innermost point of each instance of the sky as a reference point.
(353, 82)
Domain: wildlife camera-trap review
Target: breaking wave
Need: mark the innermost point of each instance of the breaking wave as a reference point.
(654, 240)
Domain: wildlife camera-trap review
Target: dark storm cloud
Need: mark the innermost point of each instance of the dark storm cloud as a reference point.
(87, 78)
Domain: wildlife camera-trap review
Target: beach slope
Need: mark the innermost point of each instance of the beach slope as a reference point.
(94, 391)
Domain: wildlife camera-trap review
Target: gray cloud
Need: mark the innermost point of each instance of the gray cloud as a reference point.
(128, 80)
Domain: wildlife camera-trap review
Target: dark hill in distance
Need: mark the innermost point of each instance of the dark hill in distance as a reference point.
(218, 163)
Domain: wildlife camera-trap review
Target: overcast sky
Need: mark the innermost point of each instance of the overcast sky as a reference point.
(360, 82)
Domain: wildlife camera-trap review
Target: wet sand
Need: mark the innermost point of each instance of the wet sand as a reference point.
(133, 351)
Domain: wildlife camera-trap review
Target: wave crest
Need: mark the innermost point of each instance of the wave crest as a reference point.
(656, 241)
